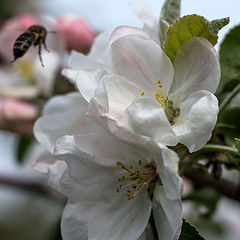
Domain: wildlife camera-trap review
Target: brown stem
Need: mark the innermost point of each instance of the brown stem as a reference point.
(25, 184)
(222, 186)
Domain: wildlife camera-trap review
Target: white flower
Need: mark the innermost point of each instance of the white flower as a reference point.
(151, 97)
(108, 184)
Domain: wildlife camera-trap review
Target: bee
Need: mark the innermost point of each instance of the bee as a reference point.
(34, 35)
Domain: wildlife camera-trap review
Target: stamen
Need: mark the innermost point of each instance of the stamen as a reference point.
(142, 93)
(166, 104)
(138, 177)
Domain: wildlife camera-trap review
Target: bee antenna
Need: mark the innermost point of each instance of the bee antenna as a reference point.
(52, 31)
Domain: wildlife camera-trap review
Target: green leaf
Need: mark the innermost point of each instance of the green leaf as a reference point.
(230, 60)
(231, 116)
(169, 14)
(189, 232)
(191, 26)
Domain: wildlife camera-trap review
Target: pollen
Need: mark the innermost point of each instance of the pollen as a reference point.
(137, 177)
(142, 93)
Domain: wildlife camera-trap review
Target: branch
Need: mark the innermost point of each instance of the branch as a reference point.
(27, 184)
(222, 186)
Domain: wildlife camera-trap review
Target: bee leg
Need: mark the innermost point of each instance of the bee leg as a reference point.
(45, 46)
(40, 55)
(13, 60)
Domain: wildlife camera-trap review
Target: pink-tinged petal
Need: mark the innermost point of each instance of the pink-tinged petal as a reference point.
(196, 67)
(146, 117)
(87, 82)
(43, 162)
(198, 116)
(167, 215)
(62, 115)
(123, 31)
(143, 62)
(120, 218)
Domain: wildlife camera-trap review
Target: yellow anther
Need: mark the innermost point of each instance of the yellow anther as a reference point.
(142, 93)
(138, 177)
(160, 85)
(159, 82)
(119, 164)
(166, 98)
(145, 184)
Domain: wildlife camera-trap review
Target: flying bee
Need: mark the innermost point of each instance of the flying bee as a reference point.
(34, 35)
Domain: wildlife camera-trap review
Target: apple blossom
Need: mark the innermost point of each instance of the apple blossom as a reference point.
(113, 186)
(157, 99)
(77, 33)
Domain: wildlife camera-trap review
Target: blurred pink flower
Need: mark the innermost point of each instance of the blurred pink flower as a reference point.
(11, 30)
(17, 116)
(77, 33)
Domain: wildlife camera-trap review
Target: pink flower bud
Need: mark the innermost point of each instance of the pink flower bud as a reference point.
(12, 109)
(77, 33)
(11, 30)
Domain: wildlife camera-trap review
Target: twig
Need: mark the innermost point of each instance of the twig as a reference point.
(222, 186)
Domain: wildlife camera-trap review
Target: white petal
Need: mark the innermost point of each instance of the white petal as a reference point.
(120, 218)
(97, 150)
(167, 215)
(98, 58)
(167, 169)
(148, 18)
(143, 62)
(121, 93)
(198, 116)
(61, 115)
(113, 121)
(69, 74)
(146, 117)
(87, 82)
(196, 67)
(144, 13)
(74, 221)
(122, 31)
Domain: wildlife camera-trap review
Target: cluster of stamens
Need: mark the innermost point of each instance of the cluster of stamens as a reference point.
(137, 178)
(166, 104)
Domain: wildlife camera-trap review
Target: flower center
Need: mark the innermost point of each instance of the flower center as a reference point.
(171, 112)
(137, 178)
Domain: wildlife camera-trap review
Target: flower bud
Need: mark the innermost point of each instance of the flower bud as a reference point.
(77, 34)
